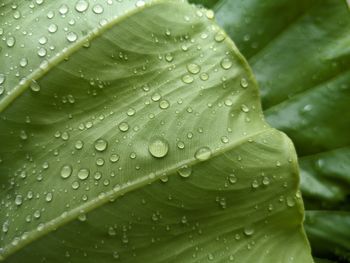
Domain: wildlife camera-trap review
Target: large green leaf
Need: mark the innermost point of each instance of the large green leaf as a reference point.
(300, 53)
(146, 125)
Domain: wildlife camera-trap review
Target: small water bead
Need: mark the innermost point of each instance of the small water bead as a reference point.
(100, 162)
(42, 40)
(66, 171)
(204, 76)
(131, 112)
(52, 28)
(18, 200)
(181, 145)
(75, 185)
(101, 145)
(232, 178)
(203, 153)
(187, 79)
(169, 57)
(133, 155)
(266, 181)
(23, 62)
(255, 184)
(2, 78)
(248, 230)
(224, 139)
(244, 108)
(209, 14)
(82, 217)
(140, 3)
(164, 104)
(244, 83)
(290, 201)
(81, 6)
(83, 174)
(226, 63)
(114, 158)
(97, 175)
(156, 96)
(185, 171)
(158, 147)
(42, 52)
(193, 68)
(72, 37)
(123, 126)
(34, 86)
(219, 37)
(63, 9)
(11, 41)
(97, 9)
(79, 145)
(48, 197)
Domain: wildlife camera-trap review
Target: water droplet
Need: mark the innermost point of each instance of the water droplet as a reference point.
(42, 52)
(169, 57)
(101, 145)
(140, 3)
(18, 200)
(72, 37)
(244, 83)
(187, 79)
(164, 104)
(52, 28)
(156, 96)
(158, 147)
(255, 184)
(226, 63)
(23, 62)
(266, 181)
(248, 230)
(97, 9)
(114, 158)
(193, 68)
(185, 171)
(11, 41)
(219, 37)
(49, 197)
(81, 6)
(203, 154)
(131, 112)
(79, 145)
(75, 185)
(181, 145)
(34, 86)
(209, 14)
(204, 76)
(83, 174)
(244, 108)
(42, 40)
(224, 139)
(100, 161)
(2, 78)
(63, 9)
(123, 126)
(66, 171)
(232, 178)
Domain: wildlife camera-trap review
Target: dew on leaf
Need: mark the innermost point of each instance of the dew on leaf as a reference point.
(158, 147)
(75, 185)
(11, 41)
(226, 63)
(34, 86)
(79, 145)
(72, 37)
(101, 145)
(83, 174)
(203, 153)
(244, 83)
(193, 68)
(114, 158)
(185, 171)
(219, 37)
(164, 104)
(97, 9)
(187, 79)
(123, 126)
(81, 6)
(66, 171)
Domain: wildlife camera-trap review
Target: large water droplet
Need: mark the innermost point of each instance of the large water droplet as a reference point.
(83, 174)
(66, 171)
(81, 6)
(203, 153)
(226, 63)
(101, 145)
(97, 9)
(123, 126)
(34, 86)
(11, 41)
(72, 37)
(193, 68)
(185, 171)
(158, 147)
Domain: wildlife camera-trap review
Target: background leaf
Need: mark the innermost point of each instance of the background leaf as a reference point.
(157, 92)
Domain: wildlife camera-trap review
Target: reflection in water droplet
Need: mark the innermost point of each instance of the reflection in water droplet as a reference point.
(123, 126)
(34, 86)
(158, 147)
(203, 154)
(72, 37)
(193, 68)
(187, 79)
(164, 104)
(244, 83)
(75, 185)
(97, 9)
(219, 37)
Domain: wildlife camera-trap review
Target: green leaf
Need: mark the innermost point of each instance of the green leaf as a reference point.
(321, 225)
(300, 53)
(144, 124)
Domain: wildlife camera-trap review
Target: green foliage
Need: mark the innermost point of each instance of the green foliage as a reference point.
(300, 54)
(133, 131)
